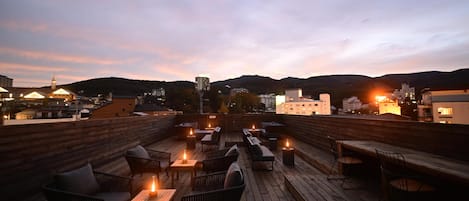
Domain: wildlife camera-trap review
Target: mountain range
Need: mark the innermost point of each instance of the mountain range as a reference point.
(339, 86)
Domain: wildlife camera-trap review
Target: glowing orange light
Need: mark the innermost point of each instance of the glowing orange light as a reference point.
(190, 132)
(380, 98)
(253, 127)
(153, 191)
(209, 125)
(287, 144)
(184, 157)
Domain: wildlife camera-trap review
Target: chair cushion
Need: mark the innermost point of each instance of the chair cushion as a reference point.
(207, 138)
(265, 151)
(256, 150)
(234, 176)
(113, 196)
(138, 151)
(232, 151)
(81, 180)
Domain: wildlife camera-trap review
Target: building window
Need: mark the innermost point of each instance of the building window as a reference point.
(445, 111)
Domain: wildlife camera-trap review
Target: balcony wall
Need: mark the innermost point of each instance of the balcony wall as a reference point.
(444, 139)
(31, 154)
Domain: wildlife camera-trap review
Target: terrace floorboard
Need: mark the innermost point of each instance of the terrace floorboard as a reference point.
(260, 185)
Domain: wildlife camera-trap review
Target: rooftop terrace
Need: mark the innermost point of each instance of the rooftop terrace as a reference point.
(31, 154)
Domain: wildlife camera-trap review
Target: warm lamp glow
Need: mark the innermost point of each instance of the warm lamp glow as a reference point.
(184, 157)
(153, 191)
(380, 98)
(287, 144)
(253, 127)
(209, 125)
(190, 132)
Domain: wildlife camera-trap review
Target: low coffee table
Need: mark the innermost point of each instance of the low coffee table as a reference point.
(163, 195)
(179, 166)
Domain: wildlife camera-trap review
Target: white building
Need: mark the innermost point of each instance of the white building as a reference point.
(351, 104)
(269, 101)
(294, 103)
(446, 106)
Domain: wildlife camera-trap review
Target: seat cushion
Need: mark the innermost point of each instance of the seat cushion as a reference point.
(266, 152)
(232, 151)
(207, 138)
(234, 176)
(81, 180)
(139, 152)
(113, 196)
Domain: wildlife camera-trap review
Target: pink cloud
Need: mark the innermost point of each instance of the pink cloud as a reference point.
(57, 57)
(24, 68)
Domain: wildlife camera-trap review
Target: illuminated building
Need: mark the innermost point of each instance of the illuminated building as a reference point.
(445, 106)
(294, 103)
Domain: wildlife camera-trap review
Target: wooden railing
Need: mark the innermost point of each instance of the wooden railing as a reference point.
(31, 154)
(449, 140)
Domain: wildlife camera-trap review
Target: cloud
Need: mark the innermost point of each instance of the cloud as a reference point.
(41, 55)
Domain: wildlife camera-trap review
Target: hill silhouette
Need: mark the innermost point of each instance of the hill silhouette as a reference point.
(339, 86)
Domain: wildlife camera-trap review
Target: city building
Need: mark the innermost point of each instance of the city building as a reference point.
(269, 102)
(351, 104)
(445, 106)
(5, 81)
(294, 103)
(390, 107)
(235, 91)
(120, 106)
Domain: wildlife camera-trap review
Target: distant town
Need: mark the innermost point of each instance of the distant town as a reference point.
(20, 105)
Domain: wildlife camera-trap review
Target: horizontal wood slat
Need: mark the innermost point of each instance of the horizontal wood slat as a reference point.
(31, 154)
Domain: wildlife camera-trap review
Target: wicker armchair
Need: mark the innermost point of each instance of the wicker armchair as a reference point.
(85, 184)
(217, 186)
(143, 160)
(220, 160)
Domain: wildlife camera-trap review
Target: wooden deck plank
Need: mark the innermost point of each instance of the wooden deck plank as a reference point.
(260, 185)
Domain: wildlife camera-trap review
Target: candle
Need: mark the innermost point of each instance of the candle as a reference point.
(190, 132)
(253, 127)
(209, 125)
(287, 144)
(153, 192)
(184, 157)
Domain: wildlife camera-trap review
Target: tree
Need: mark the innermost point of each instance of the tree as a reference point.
(244, 102)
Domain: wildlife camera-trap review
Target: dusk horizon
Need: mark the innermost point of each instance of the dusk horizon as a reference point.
(172, 41)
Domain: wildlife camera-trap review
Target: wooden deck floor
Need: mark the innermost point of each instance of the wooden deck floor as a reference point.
(309, 182)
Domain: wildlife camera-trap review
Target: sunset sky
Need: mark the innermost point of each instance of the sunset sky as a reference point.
(178, 40)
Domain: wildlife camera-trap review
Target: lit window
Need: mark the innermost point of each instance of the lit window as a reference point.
(445, 110)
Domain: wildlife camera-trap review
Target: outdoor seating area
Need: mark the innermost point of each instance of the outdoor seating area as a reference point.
(241, 166)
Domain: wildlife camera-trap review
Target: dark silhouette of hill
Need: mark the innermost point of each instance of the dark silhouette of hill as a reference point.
(339, 86)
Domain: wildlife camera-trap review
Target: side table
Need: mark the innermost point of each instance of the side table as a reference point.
(288, 156)
(163, 195)
(190, 139)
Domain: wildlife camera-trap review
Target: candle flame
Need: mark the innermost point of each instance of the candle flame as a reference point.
(209, 125)
(184, 156)
(253, 127)
(288, 143)
(190, 132)
(153, 185)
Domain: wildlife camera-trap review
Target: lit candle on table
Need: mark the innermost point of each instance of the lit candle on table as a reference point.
(184, 157)
(153, 192)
